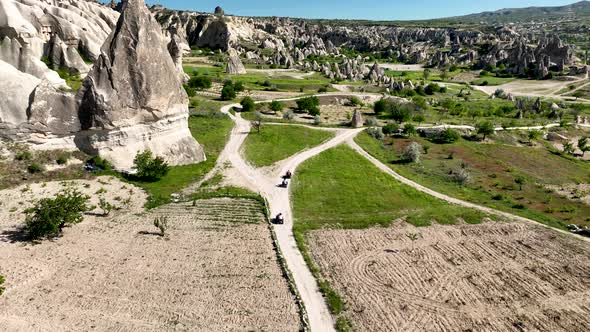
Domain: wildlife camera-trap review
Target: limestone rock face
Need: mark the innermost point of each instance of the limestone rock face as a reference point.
(357, 119)
(13, 105)
(234, 64)
(132, 99)
(52, 111)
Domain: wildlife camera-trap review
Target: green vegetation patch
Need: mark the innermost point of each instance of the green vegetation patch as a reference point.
(496, 174)
(340, 188)
(276, 142)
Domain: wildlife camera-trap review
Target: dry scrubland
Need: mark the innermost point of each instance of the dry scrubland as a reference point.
(215, 270)
(488, 277)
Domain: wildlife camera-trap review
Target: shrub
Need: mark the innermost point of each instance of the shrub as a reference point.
(485, 128)
(62, 159)
(149, 168)
(431, 89)
(380, 106)
(276, 106)
(418, 118)
(371, 122)
(354, 101)
(189, 91)
(200, 82)
(161, 224)
(497, 197)
(323, 89)
(288, 115)
(317, 120)
(100, 163)
(228, 92)
(376, 132)
(534, 134)
(409, 129)
(448, 136)
(460, 176)
(391, 129)
(34, 168)
(308, 104)
(412, 152)
(105, 206)
(23, 155)
(49, 215)
(248, 104)
(2, 288)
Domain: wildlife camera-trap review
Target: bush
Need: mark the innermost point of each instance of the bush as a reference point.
(391, 129)
(105, 206)
(23, 155)
(485, 128)
(200, 82)
(412, 152)
(34, 168)
(354, 101)
(460, 176)
(2, 289)
(49, 215)
(100, 163)
(409, 129)
(228, 92)
(317, 120)
(62, 159)
(276, 106)
(323, 89)
(149, 168)
(310, 105)
(239, 86)
(448, 136)
(431, 89)
(376, 132)
(288, 115)
(248, 104)
(189, 91)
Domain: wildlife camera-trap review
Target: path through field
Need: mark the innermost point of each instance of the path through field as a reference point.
(238, 172)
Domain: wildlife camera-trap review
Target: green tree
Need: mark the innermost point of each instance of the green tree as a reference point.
(520, 180)
(248, 104)
(474, 113)
(390, 129)
(485, 128)
(400, 112)
(276, 106)
(228, 92)
(309, 104)
(568, 148)
(200, 82)
(534, 134)
(2, 289)
(419, 118)
(380, 106)
(448, 136)
(583, 145)
(148, 167)
(409, 129)
(444, 74)
(49, 215)
(426, 73)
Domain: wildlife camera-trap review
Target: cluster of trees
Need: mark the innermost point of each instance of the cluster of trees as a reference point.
(396, 110)
(310, 105)
(231, 89)
(197, 83)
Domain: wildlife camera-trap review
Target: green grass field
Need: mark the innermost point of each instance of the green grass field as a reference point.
(494, 168)
(212, 132)
(492, 80)
(341, 189)
(275, 143)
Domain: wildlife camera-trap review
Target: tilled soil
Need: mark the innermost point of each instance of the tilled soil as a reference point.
(488, 277)
(215, 270)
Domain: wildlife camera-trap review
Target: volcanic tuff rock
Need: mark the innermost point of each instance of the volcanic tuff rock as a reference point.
(234, 64)
(357, 119)
(132, 99)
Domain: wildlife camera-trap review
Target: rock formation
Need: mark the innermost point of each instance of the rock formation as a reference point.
(357, 119)
(132, 99)
(234, 64)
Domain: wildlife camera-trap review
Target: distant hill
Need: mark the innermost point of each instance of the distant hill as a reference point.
(577, 11)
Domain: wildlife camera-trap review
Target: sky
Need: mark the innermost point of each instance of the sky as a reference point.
(355, 9)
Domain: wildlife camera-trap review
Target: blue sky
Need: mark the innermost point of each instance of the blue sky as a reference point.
(348, 9)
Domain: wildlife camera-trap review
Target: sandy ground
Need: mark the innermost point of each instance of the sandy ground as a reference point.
(576, 192)
(488, 277)
(216, 270)
(533, 88)
(401, 67)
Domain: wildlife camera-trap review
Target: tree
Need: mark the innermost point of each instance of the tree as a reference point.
(520, 180)
(380, 106)
(200, 82)
(400, 112)
(354, 101)
(426, 73)
(419, 118)
(485, 128)
(583, 145)
(578, 94)
(148, 167)
(228, 92)
(474, 113)
(448, 136)
(390, 129)
(276, 106)
(412, 152)
(409, 129)
(247, 104)
(309, 104)
(534, 134)
(257, 122)
(431, 89)
(420, 103)
(239, 86)
(444, 74)
(49, 215)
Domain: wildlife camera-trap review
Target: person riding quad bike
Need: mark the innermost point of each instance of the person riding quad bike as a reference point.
(288, 175)
(279, 219)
